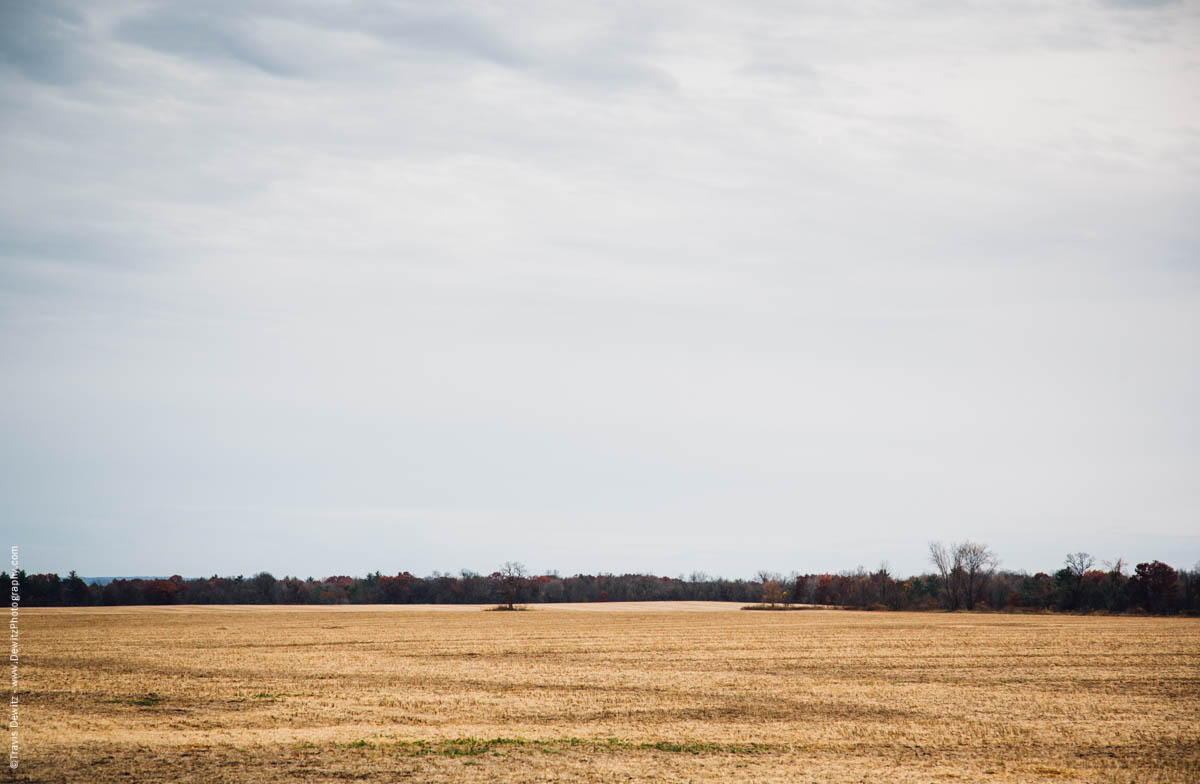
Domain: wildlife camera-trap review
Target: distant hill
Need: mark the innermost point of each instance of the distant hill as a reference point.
(107, 580)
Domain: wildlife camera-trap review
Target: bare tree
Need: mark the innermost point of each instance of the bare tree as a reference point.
(806, 589)
(792, 585)
(978, 563)
(1190, 580)
(512, 577)
(965, 568)
(1077, 565)
(946, 560)
(880, 580)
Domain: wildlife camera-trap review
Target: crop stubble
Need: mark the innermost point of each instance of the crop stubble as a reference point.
(689, 692)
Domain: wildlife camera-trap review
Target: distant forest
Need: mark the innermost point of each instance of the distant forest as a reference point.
(966, 578)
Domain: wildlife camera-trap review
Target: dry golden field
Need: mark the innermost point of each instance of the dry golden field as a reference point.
(678, 692)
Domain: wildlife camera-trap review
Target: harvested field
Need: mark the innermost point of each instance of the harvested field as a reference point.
(688, 692)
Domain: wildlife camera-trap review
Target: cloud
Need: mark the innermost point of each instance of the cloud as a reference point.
(44, 40)
(647, 267)
(1140, 4)
(248, 34)
(450, 32)
(205, 33)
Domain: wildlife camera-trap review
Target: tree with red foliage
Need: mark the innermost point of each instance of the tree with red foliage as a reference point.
(161, 591)
(395, 590)
(1155, 587)
(824, 593)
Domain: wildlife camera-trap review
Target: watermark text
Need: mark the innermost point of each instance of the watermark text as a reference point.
(14, 658)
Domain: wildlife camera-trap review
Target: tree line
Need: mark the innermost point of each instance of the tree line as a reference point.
(965, 576)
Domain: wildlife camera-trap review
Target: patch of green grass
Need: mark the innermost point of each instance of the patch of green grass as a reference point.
(473, 747)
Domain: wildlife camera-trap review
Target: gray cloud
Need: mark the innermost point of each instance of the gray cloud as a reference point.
(44, 40)
(203, 33)
(447, 32)
(436, 289)
(243, 34)
(1140, 4)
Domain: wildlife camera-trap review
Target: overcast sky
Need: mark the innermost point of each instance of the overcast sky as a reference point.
(327, 288)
